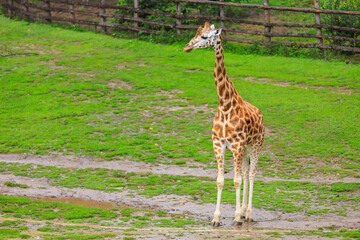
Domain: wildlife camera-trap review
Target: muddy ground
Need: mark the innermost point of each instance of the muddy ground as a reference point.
(266, 221)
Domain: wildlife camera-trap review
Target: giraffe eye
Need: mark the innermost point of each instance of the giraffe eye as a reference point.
(204, 37)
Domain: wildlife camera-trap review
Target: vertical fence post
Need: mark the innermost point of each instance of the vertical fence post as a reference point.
(48, 11)
(136, 14)
(318, 22)
(103, 18)
(25, 8)
(71, 8)
(10, 7)
(267, 21)
(178, 19)
(11, 4)
(222, 15)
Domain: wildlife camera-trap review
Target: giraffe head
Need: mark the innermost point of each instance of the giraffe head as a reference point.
(205, 37)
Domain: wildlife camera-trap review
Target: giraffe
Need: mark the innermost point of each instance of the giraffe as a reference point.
(237, 126)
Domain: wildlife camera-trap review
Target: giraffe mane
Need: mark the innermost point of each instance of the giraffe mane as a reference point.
(199, 31)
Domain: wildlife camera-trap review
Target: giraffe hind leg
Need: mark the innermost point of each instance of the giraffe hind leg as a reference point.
(245, 174)
(254, 157)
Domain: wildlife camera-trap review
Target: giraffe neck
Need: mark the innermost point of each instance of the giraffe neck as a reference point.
(225, 88)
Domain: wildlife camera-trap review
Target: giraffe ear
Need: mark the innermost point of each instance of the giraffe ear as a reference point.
(212, 27)
(218, 32)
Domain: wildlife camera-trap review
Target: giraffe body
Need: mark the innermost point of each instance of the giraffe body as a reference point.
(237, 126)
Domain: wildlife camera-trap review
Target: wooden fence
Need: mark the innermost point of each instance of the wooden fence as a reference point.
(102, 14)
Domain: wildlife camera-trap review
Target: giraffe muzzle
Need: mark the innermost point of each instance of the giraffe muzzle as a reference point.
(187, 48)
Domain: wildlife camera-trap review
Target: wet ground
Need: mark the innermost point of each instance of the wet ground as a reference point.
(130, 166)
(266, 221)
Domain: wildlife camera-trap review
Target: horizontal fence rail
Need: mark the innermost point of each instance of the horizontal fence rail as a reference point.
(107, 16)
(304, 10)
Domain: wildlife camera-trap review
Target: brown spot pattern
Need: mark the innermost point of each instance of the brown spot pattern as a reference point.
(237, 124)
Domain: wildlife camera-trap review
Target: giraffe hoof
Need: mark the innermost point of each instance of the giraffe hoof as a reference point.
(215, 224)
(249, 220)
(237, 223)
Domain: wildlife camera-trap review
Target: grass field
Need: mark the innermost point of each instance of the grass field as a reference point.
(86, 94)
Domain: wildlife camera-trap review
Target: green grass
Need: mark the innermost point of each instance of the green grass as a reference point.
(12, 184)
(80, 236)
(13, 229)
(311, 198)
(89, 94)
(21, 207)
(9, 233)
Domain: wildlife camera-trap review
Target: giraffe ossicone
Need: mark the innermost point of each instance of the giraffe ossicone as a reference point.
(238, 126)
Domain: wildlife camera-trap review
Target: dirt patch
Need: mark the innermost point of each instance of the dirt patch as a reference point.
(171, 94)
(141, 64)
(78, 201)
(52, 64)
(266, 80)
(117, 83)
(338, 90)
(173, 97)
(192, 70)
(29, 48)
(196, 109)
(123, 66)
(269, 132)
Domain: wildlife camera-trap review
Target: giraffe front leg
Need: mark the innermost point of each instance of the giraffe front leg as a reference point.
(217, 214)
(238, 155)
(219, 152)
(237, 185)
(249, 217)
